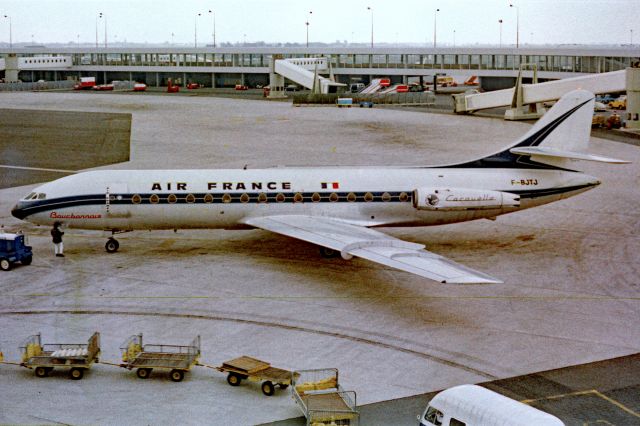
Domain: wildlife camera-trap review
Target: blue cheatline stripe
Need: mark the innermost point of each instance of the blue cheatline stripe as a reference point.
(220, 198)
(254, 198)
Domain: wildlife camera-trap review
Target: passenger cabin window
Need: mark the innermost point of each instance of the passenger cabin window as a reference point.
(208, 198)
(154, 199)
(333, 197)
(280, 198)
(434, 416)
(172, 198)
(262, 197)
(136, 199)
(315, 197)
(226, 198)
(368, 197)
(244, 198)
(297, 198)
(191, 198)
(351, 197)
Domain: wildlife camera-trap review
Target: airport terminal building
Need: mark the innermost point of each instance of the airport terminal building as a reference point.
(225, 67)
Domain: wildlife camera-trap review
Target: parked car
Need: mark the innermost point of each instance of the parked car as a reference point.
(599, 106)
(605, 99)
(620, 103)
(241, 87)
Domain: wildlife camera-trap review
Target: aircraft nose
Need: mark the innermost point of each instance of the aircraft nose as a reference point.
(18, 211)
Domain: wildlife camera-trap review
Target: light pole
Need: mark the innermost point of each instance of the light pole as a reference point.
(500, 22)
(172, 34)
(631, 40)
(97, 17)
(307, 24)
(10, 32)
(435, 14)
(370, 9)
(517, 25)
(105, 30)
(195, 29)
(454, 38)
(214, 27)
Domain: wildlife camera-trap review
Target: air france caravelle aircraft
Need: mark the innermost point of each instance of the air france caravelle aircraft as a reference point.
(336, 208)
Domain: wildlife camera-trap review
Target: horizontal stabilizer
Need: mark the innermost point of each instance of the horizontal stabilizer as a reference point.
(556, 153)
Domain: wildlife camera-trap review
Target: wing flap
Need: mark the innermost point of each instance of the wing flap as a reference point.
(355, 240)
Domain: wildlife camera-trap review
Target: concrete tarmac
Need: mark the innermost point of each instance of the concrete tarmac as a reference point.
(571, 292)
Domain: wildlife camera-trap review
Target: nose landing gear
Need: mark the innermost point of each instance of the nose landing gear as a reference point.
(112, 245)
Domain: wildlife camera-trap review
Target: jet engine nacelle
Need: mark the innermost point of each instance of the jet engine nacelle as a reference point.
(462, 199)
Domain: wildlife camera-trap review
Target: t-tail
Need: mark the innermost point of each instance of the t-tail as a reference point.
(559, 138)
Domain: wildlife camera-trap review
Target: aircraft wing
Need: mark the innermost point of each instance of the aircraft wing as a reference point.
(353, 240)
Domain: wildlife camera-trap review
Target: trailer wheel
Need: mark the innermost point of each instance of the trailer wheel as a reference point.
(143, 373)
(27, 260)
(267, 388)
(76, 373)
(41, 372)
(5, 265)
(177, 375)
(112, 245)
(234, 379)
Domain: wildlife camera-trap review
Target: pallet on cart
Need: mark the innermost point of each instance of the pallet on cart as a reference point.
(255, 370)
(43, 358)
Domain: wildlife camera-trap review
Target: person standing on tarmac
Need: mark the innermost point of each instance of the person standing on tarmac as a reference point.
(56, 236)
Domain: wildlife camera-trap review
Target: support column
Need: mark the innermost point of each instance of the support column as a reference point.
(11, 68)
(633, 97)
(276, 81)
(213, 80)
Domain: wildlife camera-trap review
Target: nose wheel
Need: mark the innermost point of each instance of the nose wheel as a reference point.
(112, 245)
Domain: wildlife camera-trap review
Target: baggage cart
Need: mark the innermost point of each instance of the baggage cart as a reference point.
(147, 357)
(322, 400)
(76, 357)
(255, 370)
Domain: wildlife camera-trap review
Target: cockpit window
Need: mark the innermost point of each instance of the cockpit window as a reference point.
(42, 196)
(28, 197)
(35, 196)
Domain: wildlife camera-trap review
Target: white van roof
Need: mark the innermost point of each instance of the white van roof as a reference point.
(476, 405)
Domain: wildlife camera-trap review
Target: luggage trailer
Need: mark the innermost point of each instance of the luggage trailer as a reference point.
(76, 357)
(255, 370)
(322, 400)
(147, 357)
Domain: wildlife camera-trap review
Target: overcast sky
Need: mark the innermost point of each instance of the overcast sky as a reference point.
(398, 21)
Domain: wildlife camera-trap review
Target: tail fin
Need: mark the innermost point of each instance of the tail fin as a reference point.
(559, 137)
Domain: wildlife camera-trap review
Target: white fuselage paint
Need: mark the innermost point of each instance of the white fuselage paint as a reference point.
(125, 214)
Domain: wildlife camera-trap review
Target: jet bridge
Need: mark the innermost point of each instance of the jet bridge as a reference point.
(303, 71)
(532, 93)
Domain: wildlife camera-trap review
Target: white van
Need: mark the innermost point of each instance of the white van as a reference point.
(471, 405)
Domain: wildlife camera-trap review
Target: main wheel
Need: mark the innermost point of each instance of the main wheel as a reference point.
(143, 373)
(112, 245)
(233, 379)
(268, 388)
(5, 265)
(76, 373)
(328, 253)
(177, 375)
(27, 260)
(41, 372)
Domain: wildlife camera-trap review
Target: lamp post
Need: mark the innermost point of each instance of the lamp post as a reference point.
(631, 39)
(369, 8)
(435, 14)
(214, 27)
(454, 38)
(307, 24)
(195, 29)
(500, 22)
(105, 30)
(517, 25)
(97, 18)
(10, 32)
